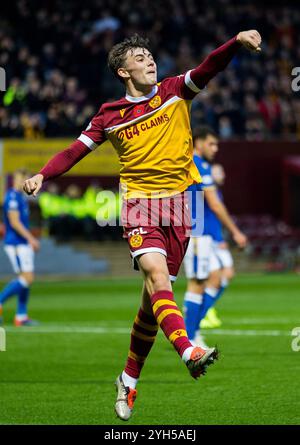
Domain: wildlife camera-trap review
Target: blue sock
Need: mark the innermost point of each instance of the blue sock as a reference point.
(192, 310)
(209, 299)
(23, 298)
(224, 284)
(12, 288)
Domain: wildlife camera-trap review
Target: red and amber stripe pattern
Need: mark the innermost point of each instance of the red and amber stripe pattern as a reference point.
(170, 319)
(143, 336)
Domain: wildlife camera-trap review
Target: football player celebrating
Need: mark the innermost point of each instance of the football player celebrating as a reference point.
(150, 130)
(19, 244)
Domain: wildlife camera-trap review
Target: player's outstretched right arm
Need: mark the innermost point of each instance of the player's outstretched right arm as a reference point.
(58, 165)
(63, 161)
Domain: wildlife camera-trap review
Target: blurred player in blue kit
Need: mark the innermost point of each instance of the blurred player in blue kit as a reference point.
(19, 245)
(203, 261)
(223, 255)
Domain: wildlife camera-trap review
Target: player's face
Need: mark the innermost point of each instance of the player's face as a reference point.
(210, 147)
(18, 180)
(140, 67)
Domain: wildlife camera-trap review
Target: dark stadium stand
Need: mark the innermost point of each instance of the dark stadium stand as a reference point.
(54, 54)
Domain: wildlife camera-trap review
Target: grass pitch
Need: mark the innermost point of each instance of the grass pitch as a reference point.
(62, 372)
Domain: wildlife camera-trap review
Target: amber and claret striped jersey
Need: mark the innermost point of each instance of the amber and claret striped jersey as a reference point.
(152, 136)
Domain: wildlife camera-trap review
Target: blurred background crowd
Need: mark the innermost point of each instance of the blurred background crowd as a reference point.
(54, 54)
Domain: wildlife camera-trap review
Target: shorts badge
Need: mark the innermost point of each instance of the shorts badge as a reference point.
(136, 241)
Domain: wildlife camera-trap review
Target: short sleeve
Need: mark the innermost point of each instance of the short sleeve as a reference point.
(94, 134)
(12, 203)
(207, 181)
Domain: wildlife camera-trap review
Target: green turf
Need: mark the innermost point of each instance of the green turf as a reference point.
(53, 374)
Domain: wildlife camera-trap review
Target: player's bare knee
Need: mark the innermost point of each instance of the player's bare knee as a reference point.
(229, 273)
(28, 277)
(232, 274)
(158, 280)
(214, 279)
(196, 286)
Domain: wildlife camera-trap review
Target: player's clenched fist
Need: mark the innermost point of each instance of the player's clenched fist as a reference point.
(33, 185)
(250, 39)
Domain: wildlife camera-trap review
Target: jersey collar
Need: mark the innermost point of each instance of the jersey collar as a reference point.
(141, 98)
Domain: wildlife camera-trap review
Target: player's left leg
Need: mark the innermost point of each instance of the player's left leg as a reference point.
(21, 318)
(196, 262)
(143, 335)
(211, 291)
(157, 281)
(227, 274)
(14, 286)
(216, 286)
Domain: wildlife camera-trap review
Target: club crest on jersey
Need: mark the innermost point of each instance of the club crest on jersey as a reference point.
(122, 112)
(155, 102)
(138, 110)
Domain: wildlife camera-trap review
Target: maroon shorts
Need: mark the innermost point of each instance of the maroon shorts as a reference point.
(158, 225)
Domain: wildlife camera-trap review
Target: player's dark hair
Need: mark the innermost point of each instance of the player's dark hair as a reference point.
(203, 132)
(116, 56)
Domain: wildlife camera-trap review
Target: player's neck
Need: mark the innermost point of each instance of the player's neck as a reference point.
(15, 187)
(138, 90)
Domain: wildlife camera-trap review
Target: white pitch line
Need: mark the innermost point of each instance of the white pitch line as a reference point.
(53, 329)
(247, 332)
(262, 321)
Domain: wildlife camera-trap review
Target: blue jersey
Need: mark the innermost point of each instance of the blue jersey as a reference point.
(15, 200)
(215, 225)
(212, 225)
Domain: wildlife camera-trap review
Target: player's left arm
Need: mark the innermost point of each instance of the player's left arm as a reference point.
(193, 81)
(220, 57)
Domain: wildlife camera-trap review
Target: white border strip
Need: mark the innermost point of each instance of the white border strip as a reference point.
(189, 83)
(125, 124)
(146, 250)
(141, 98)
(87, 141)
